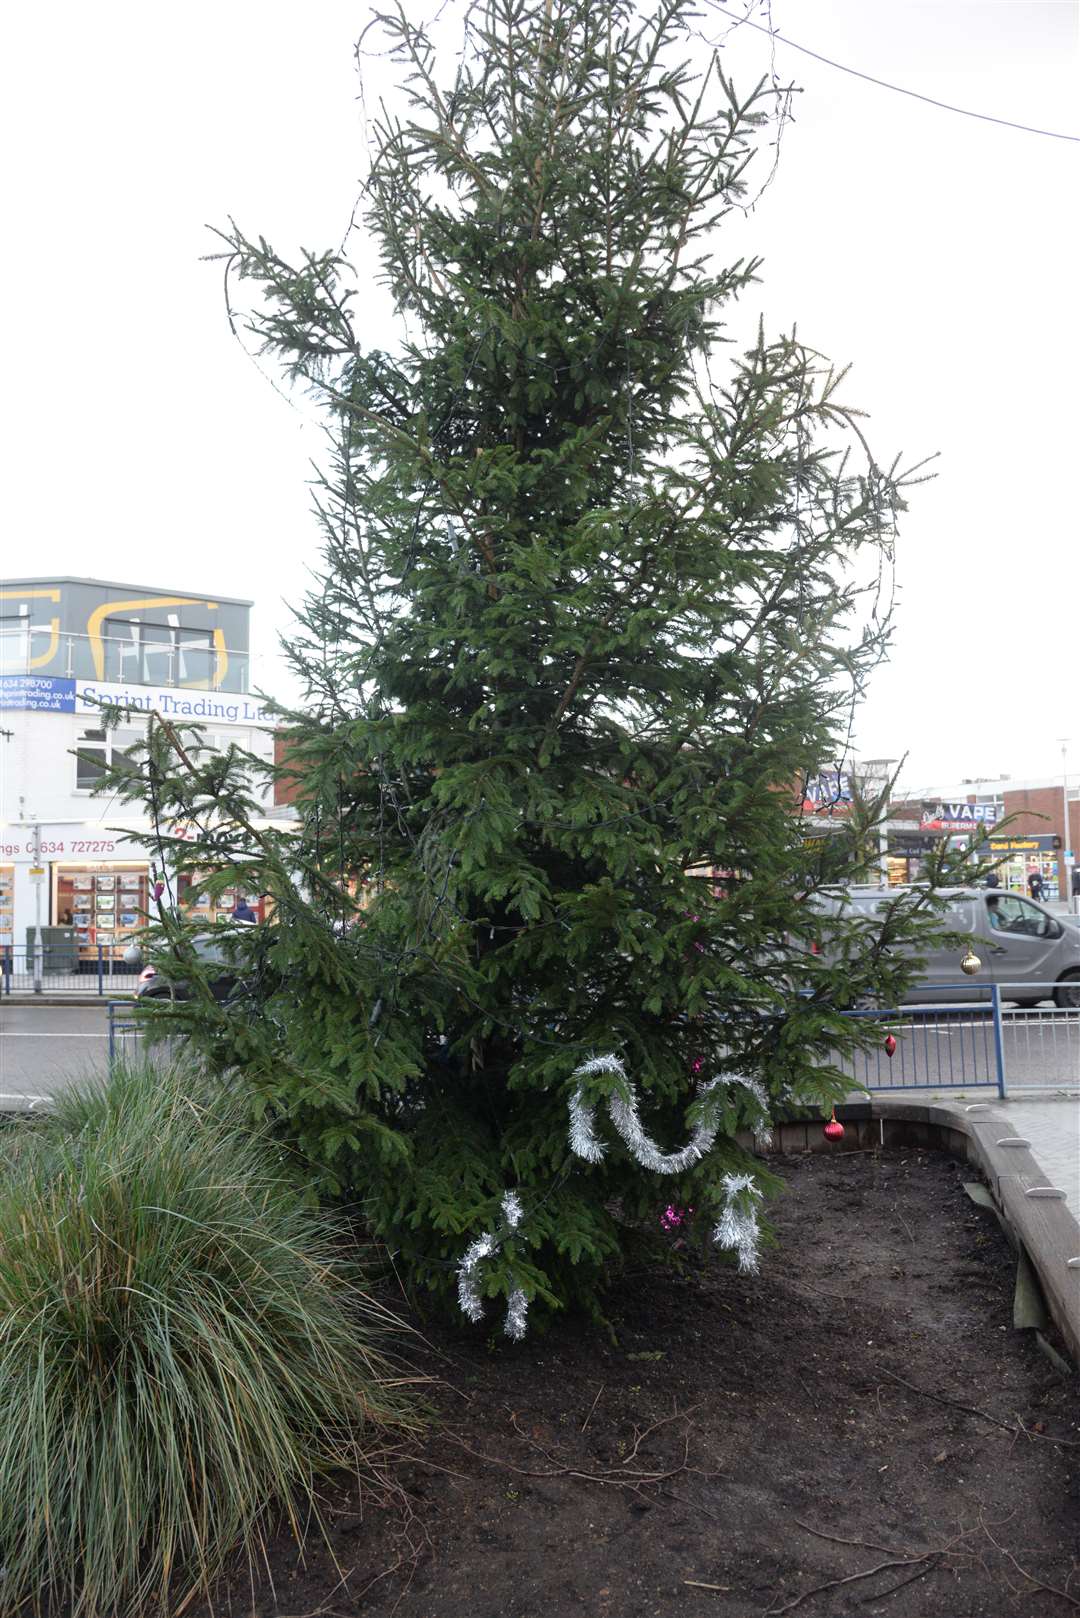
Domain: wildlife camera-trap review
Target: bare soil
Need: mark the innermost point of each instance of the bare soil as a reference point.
(790, 1442)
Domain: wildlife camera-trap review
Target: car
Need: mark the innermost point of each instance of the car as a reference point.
(1021, 947)
(208, 949)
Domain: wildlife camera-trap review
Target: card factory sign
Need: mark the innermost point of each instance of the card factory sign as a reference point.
(959, 816)
(45, 693)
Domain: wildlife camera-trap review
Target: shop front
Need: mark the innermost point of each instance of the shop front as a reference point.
(906, 854)
(100, 883)
(75, 875)
(1017, 858)
(7, 904)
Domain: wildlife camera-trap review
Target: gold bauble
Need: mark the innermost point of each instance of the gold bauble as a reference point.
(970, 962)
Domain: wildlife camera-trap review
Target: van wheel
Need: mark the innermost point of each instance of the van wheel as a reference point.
(1067, 993)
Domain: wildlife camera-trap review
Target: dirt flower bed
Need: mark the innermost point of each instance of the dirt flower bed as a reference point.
(859, 1429)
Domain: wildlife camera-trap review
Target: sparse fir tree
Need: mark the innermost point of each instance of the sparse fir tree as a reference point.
(599, 592)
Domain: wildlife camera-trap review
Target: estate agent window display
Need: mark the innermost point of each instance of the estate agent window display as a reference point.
(106, 904)
(7, 904)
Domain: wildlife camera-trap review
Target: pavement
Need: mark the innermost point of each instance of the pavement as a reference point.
(1052, 1124)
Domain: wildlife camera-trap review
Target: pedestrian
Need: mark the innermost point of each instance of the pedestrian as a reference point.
(992, 880)
(1034, 883)
(242, 911)
(1076, 882)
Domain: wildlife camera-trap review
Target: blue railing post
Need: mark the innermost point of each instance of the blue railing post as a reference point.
(100, 970)
(999, 1043)
(7, 971)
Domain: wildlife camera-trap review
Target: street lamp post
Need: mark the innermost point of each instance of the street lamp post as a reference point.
(1066, 840)
(39, 949)
(875, 772)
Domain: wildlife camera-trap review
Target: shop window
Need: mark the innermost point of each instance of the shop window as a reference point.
(7, 904)
(105, 903)
(96, 750)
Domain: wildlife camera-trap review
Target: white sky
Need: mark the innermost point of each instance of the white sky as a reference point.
(935, 252)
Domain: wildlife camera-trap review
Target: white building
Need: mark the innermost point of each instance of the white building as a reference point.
(66, 856)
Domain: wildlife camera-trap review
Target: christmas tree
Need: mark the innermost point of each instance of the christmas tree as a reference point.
(600, 591)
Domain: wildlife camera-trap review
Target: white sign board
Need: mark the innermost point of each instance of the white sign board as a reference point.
(174, 702)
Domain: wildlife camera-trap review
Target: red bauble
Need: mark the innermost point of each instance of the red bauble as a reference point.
(890, 1046)
(834, 1129)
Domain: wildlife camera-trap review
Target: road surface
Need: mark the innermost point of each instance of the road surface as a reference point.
(42, 1048)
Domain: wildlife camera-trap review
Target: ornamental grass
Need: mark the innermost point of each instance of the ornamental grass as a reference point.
(184, 1348)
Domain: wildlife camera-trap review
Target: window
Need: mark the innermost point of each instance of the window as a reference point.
(158, 654)
(1008, 914)
(91, 759)
(96, 750)
(14, 643)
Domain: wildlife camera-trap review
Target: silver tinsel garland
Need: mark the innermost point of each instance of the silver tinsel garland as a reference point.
(517, 1304)
(737, 1228)
(762, 1132)
(624, 1115)
(623, 1111)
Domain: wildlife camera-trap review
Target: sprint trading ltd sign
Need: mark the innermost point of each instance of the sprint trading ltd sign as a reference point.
(45, 693)
(174, 702)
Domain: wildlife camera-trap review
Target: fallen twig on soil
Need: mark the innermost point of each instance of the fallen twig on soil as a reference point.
(639, 1439)
(696, 1584)
(891, 1591)
(852, 1578)
(867, 1544)
(995, 1421)
(1052, 1589)
(685, 1500)
(913, 1559)
(592, 1407)
(617, 1474)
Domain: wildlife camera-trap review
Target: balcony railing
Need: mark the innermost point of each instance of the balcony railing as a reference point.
(187, 661)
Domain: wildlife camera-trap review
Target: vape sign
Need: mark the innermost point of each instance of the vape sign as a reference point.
(829, 793)
(959, 816)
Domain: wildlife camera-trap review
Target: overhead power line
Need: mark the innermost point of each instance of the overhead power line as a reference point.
(946, 106)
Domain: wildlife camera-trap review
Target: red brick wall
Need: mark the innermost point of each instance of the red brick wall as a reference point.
(284, 790)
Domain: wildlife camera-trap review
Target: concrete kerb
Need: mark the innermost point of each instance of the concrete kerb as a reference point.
(1034, 1219)
(21, 999)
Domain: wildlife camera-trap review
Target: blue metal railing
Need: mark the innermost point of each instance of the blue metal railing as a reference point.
(947, 1046)
(50, 969)
(131, 1035)
(971, 1044)
(124, 1030)
(950, 1046)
